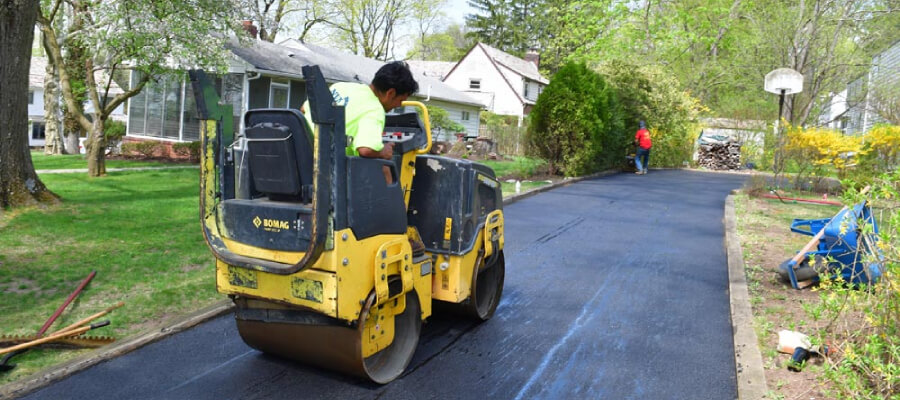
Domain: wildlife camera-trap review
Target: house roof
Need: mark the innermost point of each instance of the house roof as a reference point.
(434, 69)
(516, 64)
(291, 55)
(38, 70)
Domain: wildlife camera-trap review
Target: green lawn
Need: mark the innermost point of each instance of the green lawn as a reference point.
(77, 161)
(509, 188)
(139, 230)
(517, 168)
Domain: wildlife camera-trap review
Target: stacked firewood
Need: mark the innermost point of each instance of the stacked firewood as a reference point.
(717, 155)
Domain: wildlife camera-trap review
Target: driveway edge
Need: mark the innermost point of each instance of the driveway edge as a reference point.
(524, 195)
(751, 380)
(53, 374)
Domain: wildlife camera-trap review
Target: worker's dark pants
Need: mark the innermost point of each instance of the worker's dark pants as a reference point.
(642, 158)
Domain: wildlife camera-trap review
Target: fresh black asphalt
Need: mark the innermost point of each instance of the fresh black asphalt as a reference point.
(616, 288)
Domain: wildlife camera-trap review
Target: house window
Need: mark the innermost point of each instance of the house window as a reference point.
(166, 107)
(30, 97)
(525, 90)
(465, 116)
(279, 92)
(37, 131)
(475, 84)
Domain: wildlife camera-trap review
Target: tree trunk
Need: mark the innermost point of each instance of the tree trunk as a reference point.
(19, 184)
(71, 143)
(53, 143)
(96, 147)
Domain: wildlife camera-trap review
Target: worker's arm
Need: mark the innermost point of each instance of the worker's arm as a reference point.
(387, 151)
(368, 137)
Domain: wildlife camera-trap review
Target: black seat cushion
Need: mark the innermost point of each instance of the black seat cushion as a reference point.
(280, 153)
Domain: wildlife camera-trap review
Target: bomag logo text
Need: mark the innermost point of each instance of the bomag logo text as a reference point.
(276, 224)
(271, 225)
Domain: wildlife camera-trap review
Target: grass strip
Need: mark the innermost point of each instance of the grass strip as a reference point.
(77, 161)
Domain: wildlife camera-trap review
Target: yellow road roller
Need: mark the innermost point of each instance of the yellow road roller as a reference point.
(325, 261)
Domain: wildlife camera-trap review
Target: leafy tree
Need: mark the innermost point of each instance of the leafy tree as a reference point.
(513, 26)
(427, 16)
(434, 47)
(368, 27)
(650, 93)
(273, 16)
(576, 124)
(720, 50)
(144, 36)
(449, 44)
(440, 120)
(19, 184)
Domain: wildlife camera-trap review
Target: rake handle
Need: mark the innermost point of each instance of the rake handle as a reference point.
(66, 303)
(55, 336)
(89, 319)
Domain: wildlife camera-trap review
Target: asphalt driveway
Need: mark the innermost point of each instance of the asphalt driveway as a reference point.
(616, 287)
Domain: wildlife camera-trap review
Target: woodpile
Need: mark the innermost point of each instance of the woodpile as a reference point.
(720, 155)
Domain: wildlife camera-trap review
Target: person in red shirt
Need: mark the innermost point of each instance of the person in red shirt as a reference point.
(643, 143)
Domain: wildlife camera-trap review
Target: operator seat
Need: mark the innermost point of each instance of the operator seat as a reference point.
(280, 154)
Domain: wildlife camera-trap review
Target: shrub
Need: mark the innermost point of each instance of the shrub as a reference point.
(190, 150)
(649, 93)
(576, 124)
(440, 121)
(142, 149)
(814, 150)
(114, 131)
(882, 144)
(866, 366)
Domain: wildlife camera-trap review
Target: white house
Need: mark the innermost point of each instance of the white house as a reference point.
(861, 105)
(267, 75)
(503, 83)
(36, 116)
(36, 101)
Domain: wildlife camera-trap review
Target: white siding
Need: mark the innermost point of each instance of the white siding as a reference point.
(495, 93)
(455, 112)
(36, 107)
(35, 114)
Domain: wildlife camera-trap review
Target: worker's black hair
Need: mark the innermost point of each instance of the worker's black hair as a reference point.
(395, 75)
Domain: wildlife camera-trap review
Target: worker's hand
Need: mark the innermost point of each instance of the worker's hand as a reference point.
(388, 151)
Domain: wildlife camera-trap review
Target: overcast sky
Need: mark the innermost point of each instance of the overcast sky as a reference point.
(457, 9)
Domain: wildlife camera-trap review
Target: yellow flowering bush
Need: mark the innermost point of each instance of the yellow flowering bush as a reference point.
(883, 147)
(814, 148)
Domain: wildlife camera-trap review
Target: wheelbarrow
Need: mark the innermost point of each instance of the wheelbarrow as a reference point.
(837, 249)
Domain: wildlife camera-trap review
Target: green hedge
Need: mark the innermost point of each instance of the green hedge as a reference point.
(651, 94)
(585, 120)
(576, 124)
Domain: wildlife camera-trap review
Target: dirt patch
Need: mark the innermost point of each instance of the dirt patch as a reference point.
(192, 267)
(19, 286)
(766, 240)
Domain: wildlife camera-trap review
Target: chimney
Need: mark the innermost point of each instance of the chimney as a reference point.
(250, 28)
(533, 57)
